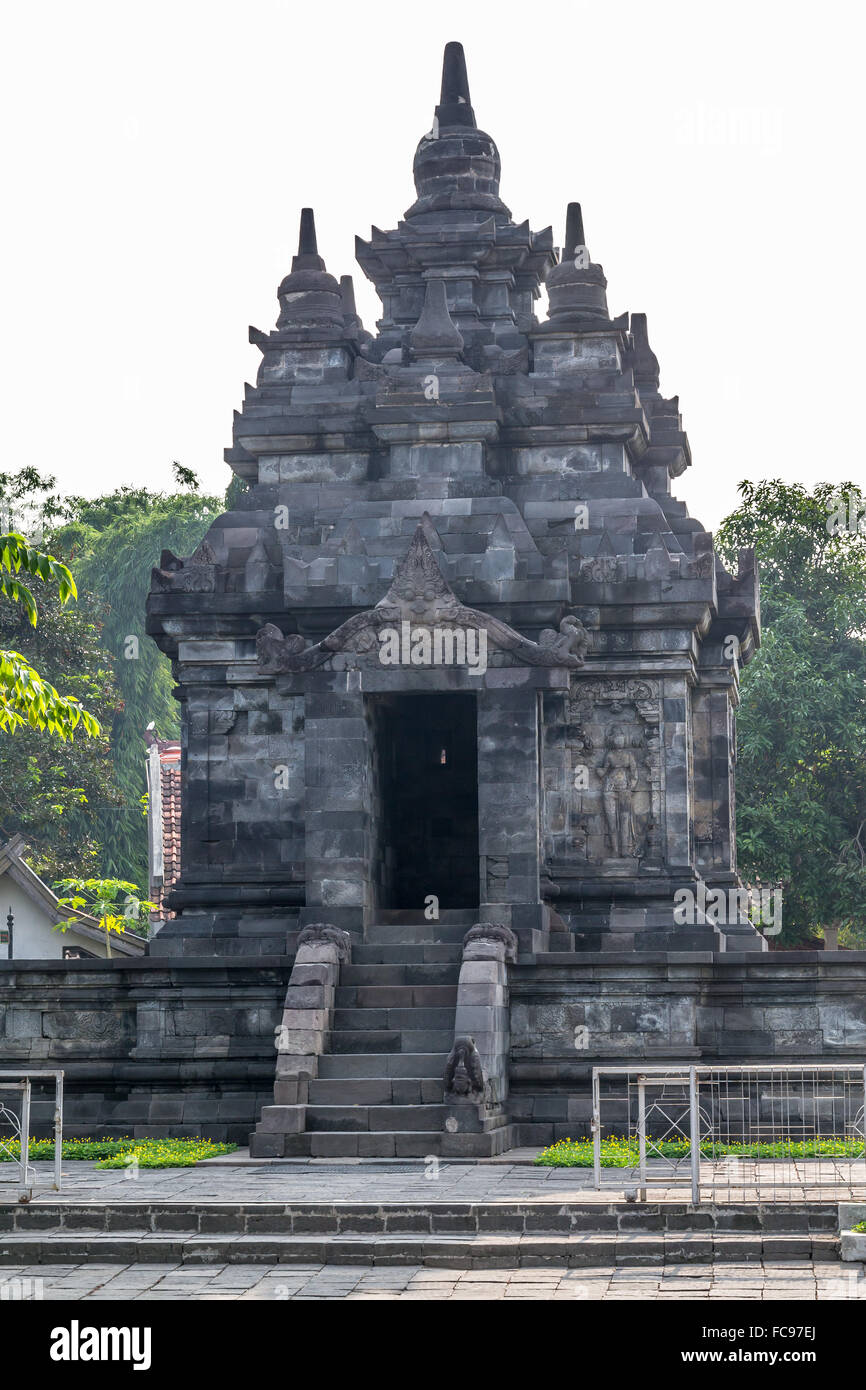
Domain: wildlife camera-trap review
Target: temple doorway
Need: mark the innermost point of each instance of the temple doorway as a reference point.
(425, 792)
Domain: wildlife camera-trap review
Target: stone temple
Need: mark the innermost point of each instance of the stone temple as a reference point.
(561, 760)
(458, 655)
(458, 678)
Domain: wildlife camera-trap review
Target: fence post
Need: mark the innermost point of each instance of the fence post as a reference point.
(58, 1127)
(694, 1136)
(641, 1135)
(25, 1137)
(596, 1129)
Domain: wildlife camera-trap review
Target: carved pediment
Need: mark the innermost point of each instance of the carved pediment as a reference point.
(421, 596)
(195, 575)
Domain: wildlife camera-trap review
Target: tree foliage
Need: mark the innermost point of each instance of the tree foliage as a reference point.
(113, 901)
(60, 795)
(801, 776)
(26, 698)
(114, 541)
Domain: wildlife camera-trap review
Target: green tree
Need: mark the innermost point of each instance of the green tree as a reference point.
(801, 776)
(112, 901)
(114, 541)
(60, 794)
(26, 698)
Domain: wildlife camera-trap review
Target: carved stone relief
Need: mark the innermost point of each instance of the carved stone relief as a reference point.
(613, 742)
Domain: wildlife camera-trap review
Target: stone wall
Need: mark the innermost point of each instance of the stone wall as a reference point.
(186, 1047)
(570, 1013)
(150, 1047)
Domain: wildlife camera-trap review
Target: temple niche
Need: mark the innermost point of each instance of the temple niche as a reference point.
(616, 803)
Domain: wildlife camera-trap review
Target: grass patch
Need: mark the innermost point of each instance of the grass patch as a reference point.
(860, 1228)
(623, 1153)
(121, 1153)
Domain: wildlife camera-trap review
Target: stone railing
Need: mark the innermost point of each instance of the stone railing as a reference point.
(476, 1074)
(301, 1036)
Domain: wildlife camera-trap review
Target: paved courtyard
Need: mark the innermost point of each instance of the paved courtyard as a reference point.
(419, 1180)
(768, 1282)
(424, 1182)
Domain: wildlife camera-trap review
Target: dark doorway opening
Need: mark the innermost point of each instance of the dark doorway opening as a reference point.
(425, 765)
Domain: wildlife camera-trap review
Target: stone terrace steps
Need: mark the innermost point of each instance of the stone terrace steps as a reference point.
(413, 1019)
(406, 1040)
(379, 1092)
(430, 933)
(378, 974)
(415, 1065)
(462, 1250)
(515, 1216)
(420, 953)
(352, 1116)
(449, 1234)
(361, 1143)
(462, 917)
(385, 995)
(438, 1252)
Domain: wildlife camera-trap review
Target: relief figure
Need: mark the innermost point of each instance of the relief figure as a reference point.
(619, 776)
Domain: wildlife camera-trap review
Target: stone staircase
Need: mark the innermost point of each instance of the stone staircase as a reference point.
(379, 1090)
(511, 1233)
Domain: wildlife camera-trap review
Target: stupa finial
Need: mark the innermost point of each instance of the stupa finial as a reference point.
(455, 103)
(574, 236)
(308, 257)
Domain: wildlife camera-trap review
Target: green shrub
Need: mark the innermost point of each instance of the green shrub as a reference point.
(120, 1153)
(623, 1152)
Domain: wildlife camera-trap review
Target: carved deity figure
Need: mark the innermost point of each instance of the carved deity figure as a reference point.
(619, 779)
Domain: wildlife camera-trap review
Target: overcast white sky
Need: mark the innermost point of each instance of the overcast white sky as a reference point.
(156, 157)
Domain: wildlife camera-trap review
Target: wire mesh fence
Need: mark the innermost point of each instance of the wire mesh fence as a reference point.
(18, 1101)
(761, 1132)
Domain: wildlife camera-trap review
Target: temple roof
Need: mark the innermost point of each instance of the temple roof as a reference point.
(465, 406)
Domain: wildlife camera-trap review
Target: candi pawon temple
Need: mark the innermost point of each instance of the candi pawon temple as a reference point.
(458, 677)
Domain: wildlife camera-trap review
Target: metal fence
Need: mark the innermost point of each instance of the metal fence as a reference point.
(761, 1132)
(15, 1125)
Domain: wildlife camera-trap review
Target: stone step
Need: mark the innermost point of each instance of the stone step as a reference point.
(378, 974)
(390, 996)
(464, 917)
(442, 933)
(377, 1090)
(391, 1020)
(390, 1040)
(336, 1144)
(343, 1065)
(529, 1216)
(436, 1251)
(381, 953)
(416, 1119)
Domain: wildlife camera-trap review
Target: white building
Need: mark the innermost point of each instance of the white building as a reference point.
(35, 912)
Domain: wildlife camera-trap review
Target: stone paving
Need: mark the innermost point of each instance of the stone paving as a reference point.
(767, 1282)
(421, 1180)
